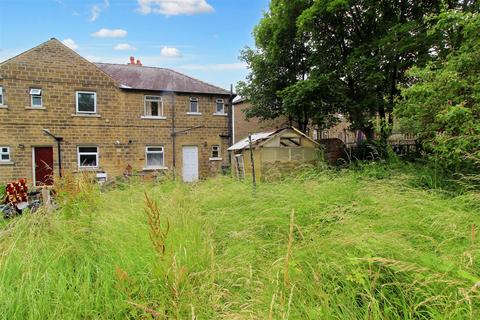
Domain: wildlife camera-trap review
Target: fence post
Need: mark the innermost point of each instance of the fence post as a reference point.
(254, 181)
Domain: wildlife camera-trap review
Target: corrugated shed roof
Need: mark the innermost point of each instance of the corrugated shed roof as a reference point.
(156, 79)
(239, 99)
(262, 138)
(256, 137)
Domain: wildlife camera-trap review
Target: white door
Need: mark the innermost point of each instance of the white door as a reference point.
(190, 163)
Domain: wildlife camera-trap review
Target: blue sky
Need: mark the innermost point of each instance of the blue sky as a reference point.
(201, 38)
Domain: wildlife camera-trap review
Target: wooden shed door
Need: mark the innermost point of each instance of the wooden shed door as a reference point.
(43, 160)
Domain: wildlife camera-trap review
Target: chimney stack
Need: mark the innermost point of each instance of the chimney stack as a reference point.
(139, 62)
(132, 60)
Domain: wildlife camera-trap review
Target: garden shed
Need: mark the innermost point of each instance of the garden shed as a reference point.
(273, 152)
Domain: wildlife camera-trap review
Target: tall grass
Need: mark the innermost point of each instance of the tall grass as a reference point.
(357, 247)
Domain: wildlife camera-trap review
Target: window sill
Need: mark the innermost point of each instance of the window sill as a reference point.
(3, 106)
(220, 114)
(153, 118)
(7, 163)
(86, 115)
(215, 159)
(154, 168)
(35, 108)
(194, 113)
(89, 169)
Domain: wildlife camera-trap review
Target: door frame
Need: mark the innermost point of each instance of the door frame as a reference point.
(34, 179)
(198, 162)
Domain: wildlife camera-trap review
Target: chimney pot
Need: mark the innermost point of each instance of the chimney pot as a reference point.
(132, 60)
(139, 62)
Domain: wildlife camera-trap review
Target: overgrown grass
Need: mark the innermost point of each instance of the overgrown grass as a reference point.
(363, 245)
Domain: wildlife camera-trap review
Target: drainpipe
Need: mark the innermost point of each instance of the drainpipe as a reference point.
(173, 135)
(230, 122)
(59, 141)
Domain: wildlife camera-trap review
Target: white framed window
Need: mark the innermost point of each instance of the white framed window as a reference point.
(155, 157)
(153, 107)
(86, 102)
(87, 156)
(36, 98)
(4, 154)
(1, 96)
(215, 155)
(193, 107)
(219, 106)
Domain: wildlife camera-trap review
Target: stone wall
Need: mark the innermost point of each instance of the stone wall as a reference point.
(117, 128)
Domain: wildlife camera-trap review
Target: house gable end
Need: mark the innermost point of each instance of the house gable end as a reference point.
(52, 61)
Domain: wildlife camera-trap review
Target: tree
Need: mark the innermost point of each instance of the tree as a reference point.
(278, 61)
(442, 104)
(314, 59)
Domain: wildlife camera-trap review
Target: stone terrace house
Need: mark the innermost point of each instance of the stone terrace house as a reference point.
(60, 113)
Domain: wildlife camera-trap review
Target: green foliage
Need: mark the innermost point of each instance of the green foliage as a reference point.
(408, 254)
(314, 59)
(277, 62)
(442, 106)
(3, 192)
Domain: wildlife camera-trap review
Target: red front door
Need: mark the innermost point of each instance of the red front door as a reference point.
(43, 165)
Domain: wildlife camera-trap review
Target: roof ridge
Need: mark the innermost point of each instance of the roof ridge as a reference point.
(169, 69)
(130, 65)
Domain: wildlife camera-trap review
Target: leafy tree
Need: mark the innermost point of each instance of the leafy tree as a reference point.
(278, 61)
(314, 59)
(442, 105)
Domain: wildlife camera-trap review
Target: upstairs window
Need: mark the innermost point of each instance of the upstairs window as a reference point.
(4, 154)
(155, 157)
(86, 102)
(1, 96)
(153, 106)
(215, 152)
(35, 98)
(193, 105)
(220, 109)
(87, 157)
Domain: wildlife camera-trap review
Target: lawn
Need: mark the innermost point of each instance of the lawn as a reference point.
(360, 247)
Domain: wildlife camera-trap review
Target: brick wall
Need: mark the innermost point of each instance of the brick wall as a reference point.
(117, 129)
(243, 126)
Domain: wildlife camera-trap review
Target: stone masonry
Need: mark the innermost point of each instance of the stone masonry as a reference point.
(117, 128)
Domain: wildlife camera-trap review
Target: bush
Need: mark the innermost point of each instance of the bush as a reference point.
(442, 107)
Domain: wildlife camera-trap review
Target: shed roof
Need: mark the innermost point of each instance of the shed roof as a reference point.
(156, 79)
(262, 138)
(256, 137)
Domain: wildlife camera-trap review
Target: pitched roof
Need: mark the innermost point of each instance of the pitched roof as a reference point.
(263, 137)
(245, 143)
(156, 79)
(239, 99)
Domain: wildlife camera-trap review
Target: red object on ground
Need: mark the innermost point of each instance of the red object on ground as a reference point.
(17, 192)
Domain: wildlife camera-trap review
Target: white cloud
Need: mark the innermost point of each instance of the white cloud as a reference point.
(95, 12)
(124, 47)
(215, 67)
(97, 9)
(170, 52)
(110, 33)
(70, 43)
(174, 7)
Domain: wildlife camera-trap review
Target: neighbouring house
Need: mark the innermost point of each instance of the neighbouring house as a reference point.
(242, 126)
(60, 113)
(274, 152)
